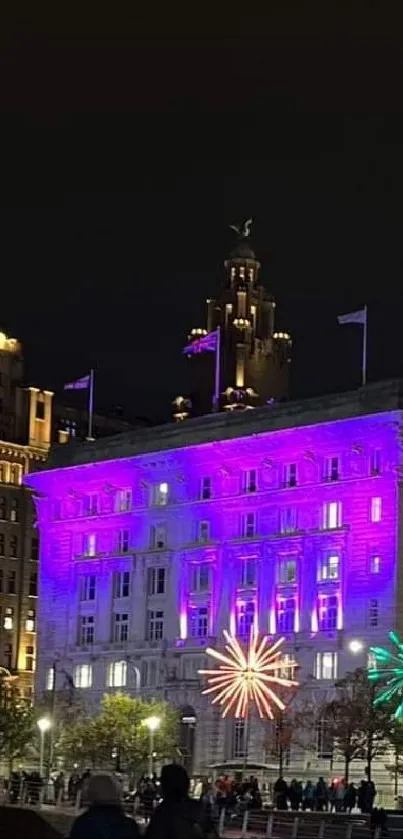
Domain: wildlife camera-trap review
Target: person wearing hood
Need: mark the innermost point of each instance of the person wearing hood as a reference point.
(179, 816)
(104, 818)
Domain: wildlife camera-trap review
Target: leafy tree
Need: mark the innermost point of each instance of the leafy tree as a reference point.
(17, 725)
(395, 738)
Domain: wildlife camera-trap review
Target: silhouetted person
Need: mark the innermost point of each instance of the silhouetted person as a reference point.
(178, 816)
(104, 818)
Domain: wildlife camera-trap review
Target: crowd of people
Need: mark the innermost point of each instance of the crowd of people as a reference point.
(337, 796)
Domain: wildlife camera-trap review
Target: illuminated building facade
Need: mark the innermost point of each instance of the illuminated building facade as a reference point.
(287, 517)
(254, 357)
(25, 434)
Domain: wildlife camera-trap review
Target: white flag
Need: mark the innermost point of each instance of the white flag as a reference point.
(360, 316)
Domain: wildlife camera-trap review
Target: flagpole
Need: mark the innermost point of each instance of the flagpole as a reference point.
(364, 349)
(216, 397)
(91, 405)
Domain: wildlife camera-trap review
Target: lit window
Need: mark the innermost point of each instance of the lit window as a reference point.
(376, 509)
(121, 627)
(158, 537)
(50, 678)
(201, 577)
(290, 475)
(14, 510)
(286, 608)
(249, 480)
(123, 541)
(238, 739)
(199, 622)
(122, 584)
(373, 612)
(326, 666)
(156, 581)
(87, 629)
(331, 515)
(288, 519)
(375, 462)
(245, 618)
(90, 505)
(8, 618)
(83, 676)
(16, 474)
(287, 570)
(89, 544)
(249, 525)
(331, 469)
(287, 669)
(324, 739)
(88, 583)
(248, 572)
(328, 612)
(203, 531)
(329, 567)
(375, 564)
(117, 674)
(205, 489)
(123, 500)
(161, 494)
(29, 659)
(33, 584)
(30, 621)
(155, 625)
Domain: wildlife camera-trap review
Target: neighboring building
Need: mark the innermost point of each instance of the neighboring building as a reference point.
(288, 516)
(70, 421)
(25, 434)
(254, 357)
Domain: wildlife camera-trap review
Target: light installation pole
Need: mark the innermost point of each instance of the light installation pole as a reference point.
(153, 724)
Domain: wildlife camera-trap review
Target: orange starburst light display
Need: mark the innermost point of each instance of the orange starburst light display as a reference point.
(248, 675)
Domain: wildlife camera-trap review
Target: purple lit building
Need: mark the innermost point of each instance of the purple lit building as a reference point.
(154, 541)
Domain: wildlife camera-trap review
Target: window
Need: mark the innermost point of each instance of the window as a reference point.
(288, 519)
(8, 656)
(123, 541)
(287, 570)
(40, 410)
(87, 628)
(203, 531)
(121, 627)
(248, 572)
(245, 618)
(122, 584)
(331, 515)
(3, 473)
(326, 666)
(29, 659)
(2, 544)
(329, 567)
(328, 611)
(15, 474)
(375, 564)
(373, 613)
(331, 469)
(88, 583)
(371, 661)
(14, 510)
(151, 673)
(156, 581)
(89, 544)
(123, 500)
(117, 674)
(50, 678)
(33, 584)
(13, 547)
(199, 622)
(161, 493)
(155, 625)
(35, 549)
(90, 505)
(249, 525)
(238, 739)
(12, 582)
(201, 577)
(249, 480)
(376, 509)
(287, 670)
(158, 540)
(83, 676)
(1, 579)
(3, 508)
(375, 464)
(30, 622)
(286, 615)
(290, 475)
(324, 738)
(205, 489)
(8, 618)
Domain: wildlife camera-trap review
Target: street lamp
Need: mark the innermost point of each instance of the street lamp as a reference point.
(356, 646)
(44, 724)
(152, 723)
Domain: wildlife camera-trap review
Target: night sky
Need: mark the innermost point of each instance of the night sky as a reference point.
(130, 145)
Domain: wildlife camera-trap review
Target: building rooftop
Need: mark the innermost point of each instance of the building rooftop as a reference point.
(375, 398)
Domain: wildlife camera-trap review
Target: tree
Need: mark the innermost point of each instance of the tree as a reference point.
(17, 725)
(395, 738)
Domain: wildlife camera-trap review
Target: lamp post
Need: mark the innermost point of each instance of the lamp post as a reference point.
(152, 723)
(44, 724)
